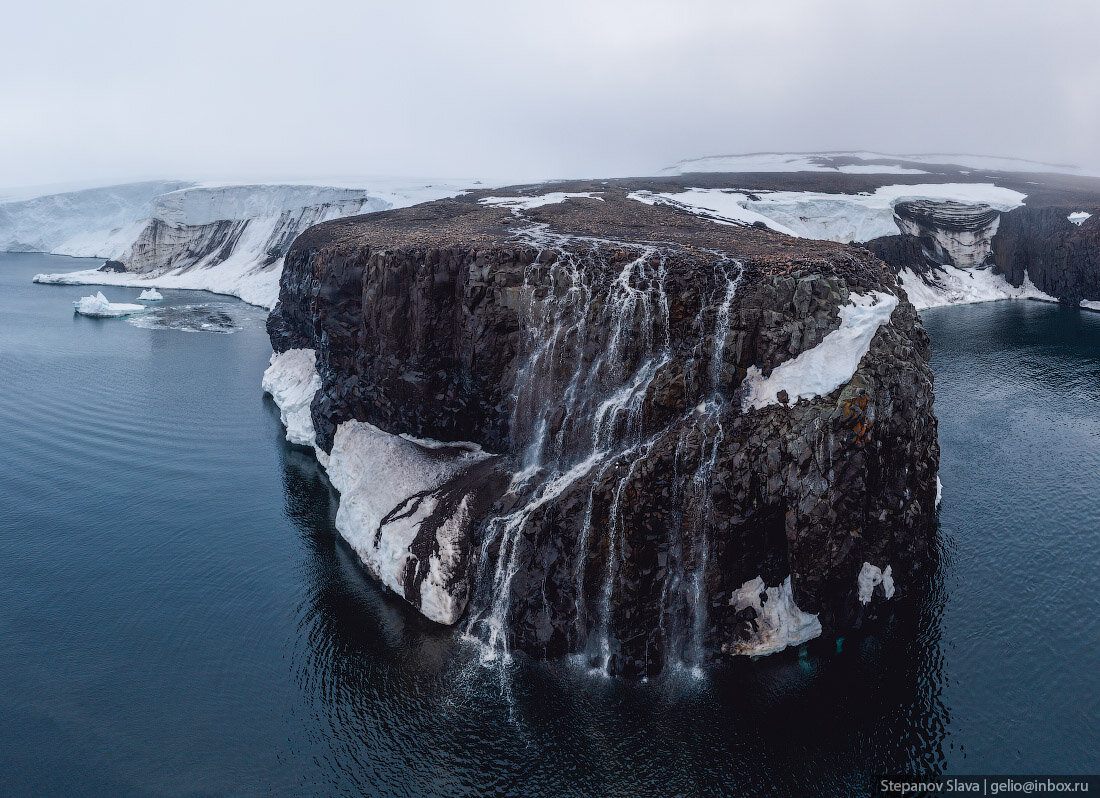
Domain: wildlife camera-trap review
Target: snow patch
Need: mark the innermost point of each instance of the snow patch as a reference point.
(518, 204)
(780, 623)
(832, 363)
(718, 205)
(827, 162)
(843, 218)
(870, 576)
(1079, 217)
(97, 306)
(388, 487)
(939, 491)
(793, 162)
(952, 286)
(293, 381)
(150, 295)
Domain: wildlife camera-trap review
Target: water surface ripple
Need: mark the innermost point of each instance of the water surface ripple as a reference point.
(179, 616)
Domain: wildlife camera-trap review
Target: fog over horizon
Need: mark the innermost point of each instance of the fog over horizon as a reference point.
(516, 92)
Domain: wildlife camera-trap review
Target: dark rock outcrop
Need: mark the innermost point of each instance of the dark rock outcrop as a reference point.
(1061, 258)
(603, 347)
(902, 252)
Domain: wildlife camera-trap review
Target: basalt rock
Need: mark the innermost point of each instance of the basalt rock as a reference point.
(599, 348)
(1061, 258)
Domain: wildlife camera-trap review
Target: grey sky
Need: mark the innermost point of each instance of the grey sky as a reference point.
(523, 90)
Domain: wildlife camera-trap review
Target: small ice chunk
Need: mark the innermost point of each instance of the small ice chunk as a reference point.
(150, 295)
(1079, 217)
(888, 582)
(939, 491)
(869, 577)
(780, 623)
(98, 306)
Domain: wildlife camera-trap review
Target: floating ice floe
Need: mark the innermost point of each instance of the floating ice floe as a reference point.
(870, 577)
(832, 363)
(150, 295)
(99, 307)
(1089, 304)
(780, 623)
(1079, 217)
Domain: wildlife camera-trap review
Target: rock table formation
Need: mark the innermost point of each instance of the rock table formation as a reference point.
(574, 423)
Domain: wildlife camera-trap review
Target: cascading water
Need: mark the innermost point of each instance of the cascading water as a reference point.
(599, 344)
(684, 600)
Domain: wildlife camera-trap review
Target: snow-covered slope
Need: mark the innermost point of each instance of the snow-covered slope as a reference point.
(229, 239)
(861, 217)
(951, 286)
(831, 217)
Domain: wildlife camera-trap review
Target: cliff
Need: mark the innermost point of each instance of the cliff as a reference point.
(584, 424)
(228, 239)
(1061, 257)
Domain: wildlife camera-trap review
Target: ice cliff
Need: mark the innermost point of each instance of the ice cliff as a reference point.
(228, 239)
(588, 425)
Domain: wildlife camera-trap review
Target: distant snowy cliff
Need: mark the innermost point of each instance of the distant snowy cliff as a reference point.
(224, 238)
(974, 230)
(91, 223)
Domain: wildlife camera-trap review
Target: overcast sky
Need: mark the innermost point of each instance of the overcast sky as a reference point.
(100, 91)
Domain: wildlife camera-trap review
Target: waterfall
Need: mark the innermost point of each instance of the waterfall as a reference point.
(600, 417)
(684, 600)
(594, 344)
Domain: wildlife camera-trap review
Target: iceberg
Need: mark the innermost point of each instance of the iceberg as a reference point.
(150, 295)
(98, 307)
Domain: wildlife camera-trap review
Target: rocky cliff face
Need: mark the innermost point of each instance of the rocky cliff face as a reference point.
(1060, 256)
(205, 227)
(1050, 250)
(679, 440)
(951, 233)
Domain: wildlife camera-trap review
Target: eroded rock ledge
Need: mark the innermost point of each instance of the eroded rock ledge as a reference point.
(604, 451)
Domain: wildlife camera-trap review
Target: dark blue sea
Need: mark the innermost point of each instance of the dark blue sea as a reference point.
(178, 616)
